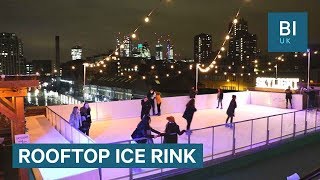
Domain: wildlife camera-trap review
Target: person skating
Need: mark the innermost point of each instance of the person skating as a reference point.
(144, 130)
(151, 96)
(288, 97)
(188, 113)
(159, 101)
(145, 107)
(230, 111)
(86, 117)
(220, 97)
(172, 131)
(75, 118)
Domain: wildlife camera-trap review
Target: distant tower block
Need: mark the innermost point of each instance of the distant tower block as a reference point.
(76, 53)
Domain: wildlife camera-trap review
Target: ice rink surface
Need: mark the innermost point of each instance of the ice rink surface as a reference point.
(217, 140)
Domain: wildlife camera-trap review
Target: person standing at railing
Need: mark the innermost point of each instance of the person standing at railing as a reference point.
(159, 101)
(188, 113)
(172, 131)
(311, 97)
(85, 112)
(75, 118)
(145, 107)
(144, 130)
(288, 97)
(230, 111)
(151, 96)
(220, 97)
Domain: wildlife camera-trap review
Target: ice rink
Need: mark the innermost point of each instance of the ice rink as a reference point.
(217, 141)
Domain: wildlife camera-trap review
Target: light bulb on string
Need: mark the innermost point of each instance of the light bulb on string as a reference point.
(129, 77)
(100, 71)
(219, 56)
(223, 49)
(133, 35)
(214, 62)
(121, 46)
(146, 19)
(235, 21)
(179, 72)
(227, 37)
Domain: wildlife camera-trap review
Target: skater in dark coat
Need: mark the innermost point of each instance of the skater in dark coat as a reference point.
(188, 113)
(85, 112)
(288, 97)
(151, 97)
(230, 111)
(220, 97)
(145, 107)
(144, 130)
(172, 131)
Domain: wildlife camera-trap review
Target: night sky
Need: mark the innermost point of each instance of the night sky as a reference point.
(94, 24)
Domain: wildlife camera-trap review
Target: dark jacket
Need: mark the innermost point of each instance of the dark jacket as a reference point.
(145, 107)
(232, 107)
(288, 94)
(220, 95)
(151, 96)
(311, 94)
(171, 133)
(188, 113)
(143, 130)
(86, 113)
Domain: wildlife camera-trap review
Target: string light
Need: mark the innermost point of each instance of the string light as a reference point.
(129, 77)
(179, 72)
(172, 66)
(73, 67)
(219, 56)
(227, 37)
(101, 71)
(235, 21)
(223, 49)
(133, 35)
(121, 46)
(167, 75)
(143, 77)
(146, 19)
(156, 77)
(152, 67)
(116, 53)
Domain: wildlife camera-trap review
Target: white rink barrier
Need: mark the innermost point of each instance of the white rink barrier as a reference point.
(132, 108)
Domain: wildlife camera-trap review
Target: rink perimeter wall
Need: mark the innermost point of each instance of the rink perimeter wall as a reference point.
(132, 108)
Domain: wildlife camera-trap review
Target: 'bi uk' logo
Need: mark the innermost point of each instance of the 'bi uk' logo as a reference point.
(288, 32)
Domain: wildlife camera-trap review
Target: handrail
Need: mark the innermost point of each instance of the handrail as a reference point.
(69, 123)
(312, 175)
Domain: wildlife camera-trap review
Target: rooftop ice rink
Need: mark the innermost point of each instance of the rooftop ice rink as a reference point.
(115, 121)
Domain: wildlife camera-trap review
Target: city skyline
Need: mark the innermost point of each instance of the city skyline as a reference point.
(96, 30)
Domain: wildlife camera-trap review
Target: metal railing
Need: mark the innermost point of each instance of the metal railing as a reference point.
(218, 141)
(71, 134)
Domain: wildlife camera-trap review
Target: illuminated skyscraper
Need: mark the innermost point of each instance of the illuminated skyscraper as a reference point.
(159, 53)
(169, 51)
(127, 49)
(76, 53)
(12, 60)
(242, 44)
(202, 47)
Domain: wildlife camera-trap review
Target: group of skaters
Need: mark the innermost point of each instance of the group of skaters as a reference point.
(143, 131)
(311, 93)
(81, 118)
